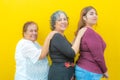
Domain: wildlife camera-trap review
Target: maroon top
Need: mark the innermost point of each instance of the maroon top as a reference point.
(92, 52)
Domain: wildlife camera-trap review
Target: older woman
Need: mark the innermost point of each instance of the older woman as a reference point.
(31, 61)
(62, 53)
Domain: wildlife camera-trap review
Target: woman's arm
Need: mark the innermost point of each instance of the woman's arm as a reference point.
(63, 46)
(76, 43)
(45, 48)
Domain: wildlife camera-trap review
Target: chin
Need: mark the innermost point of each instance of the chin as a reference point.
(33, 40)
(63, 29)
(93, 23)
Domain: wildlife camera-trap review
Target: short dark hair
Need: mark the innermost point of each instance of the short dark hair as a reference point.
(25, 26)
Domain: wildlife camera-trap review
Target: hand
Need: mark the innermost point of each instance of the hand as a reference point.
(82, 31)
(51, 34)
(45, 48)
(105, 75)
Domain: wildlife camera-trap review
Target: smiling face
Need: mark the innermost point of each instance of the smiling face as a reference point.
(61, 23)
(31, 32)
(90, 18)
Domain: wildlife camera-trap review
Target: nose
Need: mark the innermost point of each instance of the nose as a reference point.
(63, 20)
(34, 32)
(95, 15)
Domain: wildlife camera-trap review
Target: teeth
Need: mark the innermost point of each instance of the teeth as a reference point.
(63, 25)
(33, 36)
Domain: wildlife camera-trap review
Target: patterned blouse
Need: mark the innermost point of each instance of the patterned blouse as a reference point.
(28, 65)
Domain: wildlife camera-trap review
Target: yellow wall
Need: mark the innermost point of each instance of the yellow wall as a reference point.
(14, 13)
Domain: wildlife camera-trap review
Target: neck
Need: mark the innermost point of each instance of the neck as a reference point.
(61, 32)
(28, 39)
(89, 26)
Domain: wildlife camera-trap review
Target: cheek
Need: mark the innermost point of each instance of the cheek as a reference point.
(36, 33)
(28, 34)
(67, 23)
(56, 24)
(89, 18)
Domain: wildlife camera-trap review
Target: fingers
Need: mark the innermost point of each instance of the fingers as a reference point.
(52, 34)
(82, 31)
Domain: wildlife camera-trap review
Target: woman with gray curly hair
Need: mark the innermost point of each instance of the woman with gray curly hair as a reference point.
(61, 51)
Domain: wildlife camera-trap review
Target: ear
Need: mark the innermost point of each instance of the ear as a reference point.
(84, 18)
(24, 34)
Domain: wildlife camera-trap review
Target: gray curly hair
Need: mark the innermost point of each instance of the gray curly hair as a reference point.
(55, 16)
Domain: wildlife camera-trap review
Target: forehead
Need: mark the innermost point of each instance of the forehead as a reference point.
(92, 11)
(32, 26)
(60, 15)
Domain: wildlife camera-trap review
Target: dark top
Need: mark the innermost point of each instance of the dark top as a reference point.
(60, 49)
(60, 52)
(92, 52)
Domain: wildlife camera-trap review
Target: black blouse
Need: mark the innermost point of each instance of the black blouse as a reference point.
(60, 49)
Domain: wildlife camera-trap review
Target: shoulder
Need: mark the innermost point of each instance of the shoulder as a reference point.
(24, 42)
(57, 35)
(20, 42)
(90, 31)
(37, 45)
(82, 31)
(84, 28)
(91, 34)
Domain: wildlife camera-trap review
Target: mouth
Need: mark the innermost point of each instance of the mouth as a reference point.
(95, 19)
(34, 36)
(63, 25)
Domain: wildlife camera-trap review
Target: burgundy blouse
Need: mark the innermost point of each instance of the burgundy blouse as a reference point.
(92, 49)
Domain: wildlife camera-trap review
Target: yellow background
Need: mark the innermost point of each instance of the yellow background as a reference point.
(14, 13)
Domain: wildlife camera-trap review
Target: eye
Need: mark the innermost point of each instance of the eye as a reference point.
(62, 19)
(92, 13)
(59, 19)
(31, 30)
(65, 19)
(36, 30)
